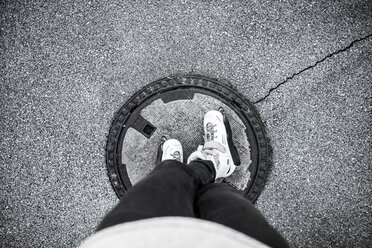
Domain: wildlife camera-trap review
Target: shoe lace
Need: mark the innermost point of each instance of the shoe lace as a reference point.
(211, 133)
(176, 155)
(212, 149)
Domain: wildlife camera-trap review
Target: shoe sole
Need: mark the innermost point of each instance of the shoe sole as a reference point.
(160, 150)
(233, 150)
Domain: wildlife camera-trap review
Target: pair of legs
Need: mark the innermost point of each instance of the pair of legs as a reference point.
(176, 189)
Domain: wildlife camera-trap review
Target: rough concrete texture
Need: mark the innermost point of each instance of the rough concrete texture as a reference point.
(67, 66)
(182, 120)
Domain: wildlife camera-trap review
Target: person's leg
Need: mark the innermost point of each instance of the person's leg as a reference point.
(221, 203)
(169, 190)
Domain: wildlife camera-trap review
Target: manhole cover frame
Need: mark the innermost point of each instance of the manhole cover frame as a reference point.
(123, 120)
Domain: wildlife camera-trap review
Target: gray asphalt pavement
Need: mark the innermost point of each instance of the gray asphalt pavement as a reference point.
(67, 66)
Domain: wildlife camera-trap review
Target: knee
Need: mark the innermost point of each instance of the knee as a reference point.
(221, 188)
(169, 163)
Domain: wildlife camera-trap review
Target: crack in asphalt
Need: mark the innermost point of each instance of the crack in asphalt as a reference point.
(311, 66)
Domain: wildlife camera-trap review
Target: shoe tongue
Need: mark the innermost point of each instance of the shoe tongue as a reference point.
(214, 145)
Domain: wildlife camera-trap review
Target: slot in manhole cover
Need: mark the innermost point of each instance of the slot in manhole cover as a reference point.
(175, 106)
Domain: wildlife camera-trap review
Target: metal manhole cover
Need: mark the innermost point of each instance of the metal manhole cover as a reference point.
(175, 106)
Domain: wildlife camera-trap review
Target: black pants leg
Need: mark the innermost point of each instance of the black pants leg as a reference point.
(169, 190)
(175, 189)
(220, 203)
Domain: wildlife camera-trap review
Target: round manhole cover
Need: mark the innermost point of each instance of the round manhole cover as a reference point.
(175, 106)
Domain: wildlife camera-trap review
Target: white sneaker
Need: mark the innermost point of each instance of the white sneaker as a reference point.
(172, 149)
(216, 147)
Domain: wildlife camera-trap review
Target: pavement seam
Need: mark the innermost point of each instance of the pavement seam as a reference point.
(312, 66)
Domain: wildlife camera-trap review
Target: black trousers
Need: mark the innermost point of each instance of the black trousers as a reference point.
(175, 189)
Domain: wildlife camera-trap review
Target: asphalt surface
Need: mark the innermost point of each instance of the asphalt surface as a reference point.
(67, 66)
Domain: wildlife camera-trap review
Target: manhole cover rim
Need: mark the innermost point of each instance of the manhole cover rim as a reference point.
(117, 171)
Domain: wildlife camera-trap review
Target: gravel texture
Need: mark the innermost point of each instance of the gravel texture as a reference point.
(67, 66)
